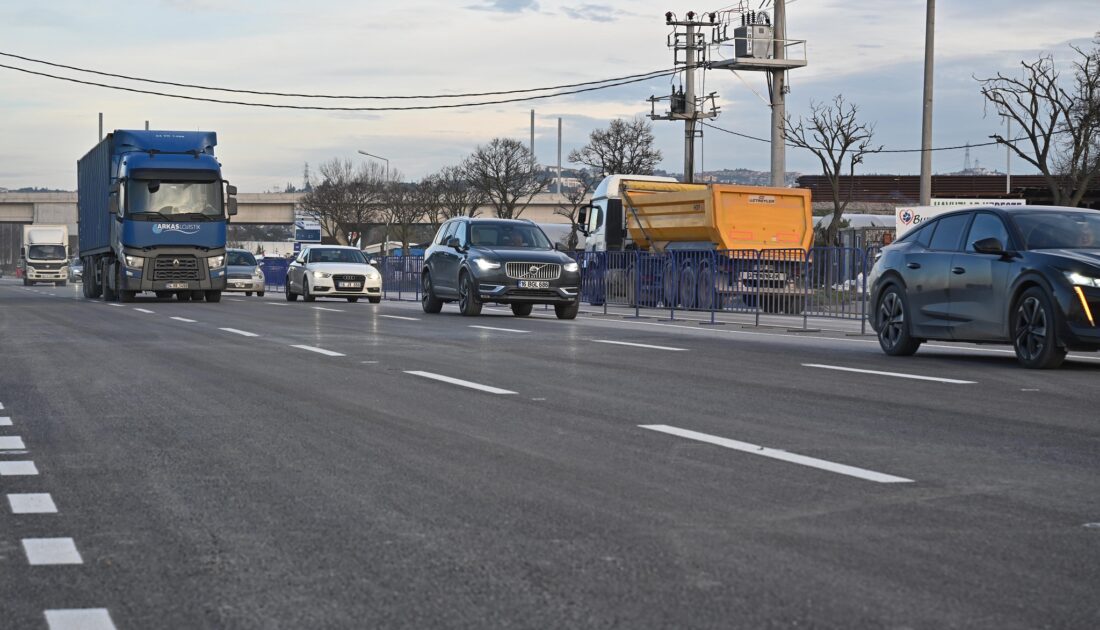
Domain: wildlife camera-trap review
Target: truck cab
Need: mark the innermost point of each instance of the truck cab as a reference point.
(44, 255)
(603, 220)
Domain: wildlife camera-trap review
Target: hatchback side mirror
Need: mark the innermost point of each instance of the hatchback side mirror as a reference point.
(991, 245)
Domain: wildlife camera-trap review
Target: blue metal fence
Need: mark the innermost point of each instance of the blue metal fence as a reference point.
(824, 282)
(274, 272)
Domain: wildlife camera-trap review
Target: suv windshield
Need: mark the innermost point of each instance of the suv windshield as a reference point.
(1059, 230)
(174, 199)
(336, 256)
(505, 234)
(240, 259)
(46, 252)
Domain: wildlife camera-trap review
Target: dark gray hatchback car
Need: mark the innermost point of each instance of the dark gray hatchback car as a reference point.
(1025, 275)
(505, 261)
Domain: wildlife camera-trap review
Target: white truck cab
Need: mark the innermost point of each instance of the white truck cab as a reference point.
(45, 254)
(607, 209)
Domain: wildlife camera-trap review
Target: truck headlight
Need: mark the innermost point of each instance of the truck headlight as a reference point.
(1081, 280)
(570, 267)
(486, 265)
(216, 261)
(135, 262)
(321, 274)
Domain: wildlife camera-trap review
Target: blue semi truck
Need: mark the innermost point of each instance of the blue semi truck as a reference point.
(153, 208)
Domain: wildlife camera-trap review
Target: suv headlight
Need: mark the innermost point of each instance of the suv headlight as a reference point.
(485, 265)
(570, 266)
(321, 274)
(216, 261)
(1081, 280)
(135, 262)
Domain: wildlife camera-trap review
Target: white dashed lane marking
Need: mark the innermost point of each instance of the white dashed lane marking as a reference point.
(640, 345)
(51, 551)
(37, 503)
(327, 353)
(11, 443)
(763, 451)
(915, 377)
(142, 310)
(511, 330)
(322, 308)
(79, 619)
(408, 319)
(184, 320)
(243, 333)
(5, 421)
(18, 469)
(460, 382)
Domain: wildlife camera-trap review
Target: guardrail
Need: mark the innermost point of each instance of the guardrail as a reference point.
(823, 282)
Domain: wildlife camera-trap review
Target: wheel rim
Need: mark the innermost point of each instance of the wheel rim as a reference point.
(425, 289)
(1031, 329)
(464, 293)
(891, 319)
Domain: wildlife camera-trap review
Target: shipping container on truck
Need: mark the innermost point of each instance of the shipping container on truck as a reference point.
(152, 208)
(706, 245)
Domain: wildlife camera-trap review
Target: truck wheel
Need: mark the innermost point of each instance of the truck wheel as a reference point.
(61, 284)
(248, 294)
(184, 296)
(198, 296)
(259, 294)
(687, 286)
(522, 309)
(567, 311)
(213, 296)
(127, 296)
(26, 282)
(109, 294)
(706, 287)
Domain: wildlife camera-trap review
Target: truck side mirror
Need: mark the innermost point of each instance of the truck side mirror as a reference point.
(230, 190)
(231, 206)
(582, 215)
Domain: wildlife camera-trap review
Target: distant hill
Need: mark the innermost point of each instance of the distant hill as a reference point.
(33, 189)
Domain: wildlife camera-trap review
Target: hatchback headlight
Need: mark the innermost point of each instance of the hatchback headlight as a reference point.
(216, 261)
(570, 267)
(321, 274)
(486, 265)
(1081, 280)
(259, 275)
(135, 262)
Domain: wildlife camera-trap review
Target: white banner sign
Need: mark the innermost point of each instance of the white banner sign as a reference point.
(909, 217)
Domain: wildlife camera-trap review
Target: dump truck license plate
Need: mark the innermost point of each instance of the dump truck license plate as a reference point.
(534, 284)
(763, 275)
(176, 285)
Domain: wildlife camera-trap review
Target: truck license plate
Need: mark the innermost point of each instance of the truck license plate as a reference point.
(534, 284)
(176, 285)
(763, 275)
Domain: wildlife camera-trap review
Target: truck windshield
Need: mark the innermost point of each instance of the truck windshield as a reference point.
(172, 199)
(46, 252)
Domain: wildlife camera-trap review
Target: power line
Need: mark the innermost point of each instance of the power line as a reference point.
(653, 75)
(953, 148)
(330, 96)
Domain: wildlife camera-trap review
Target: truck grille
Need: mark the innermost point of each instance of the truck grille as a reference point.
(176, 268)
(45, 266)
(533, 271)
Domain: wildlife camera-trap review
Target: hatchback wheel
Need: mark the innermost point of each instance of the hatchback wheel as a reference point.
(428, 301)
(468, 302)
(1034, 331)
(306, 295)
(290, 295)
(891, 321)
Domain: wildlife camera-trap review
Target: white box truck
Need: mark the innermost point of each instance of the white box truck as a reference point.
(44, 256)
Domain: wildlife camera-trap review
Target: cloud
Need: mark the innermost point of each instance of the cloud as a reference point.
(506, 6)
(593, 12)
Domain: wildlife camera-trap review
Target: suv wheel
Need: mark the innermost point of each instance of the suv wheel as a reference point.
(892, 323)
(522, 310)
(567, 311)
(1034, 331)
(428, 301)
(468, 302)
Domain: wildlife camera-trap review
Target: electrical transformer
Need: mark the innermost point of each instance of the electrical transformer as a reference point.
(754, 41)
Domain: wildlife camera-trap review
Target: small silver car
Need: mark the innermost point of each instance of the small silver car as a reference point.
(244, 273)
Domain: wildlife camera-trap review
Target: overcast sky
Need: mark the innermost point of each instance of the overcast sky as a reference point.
(871, 51)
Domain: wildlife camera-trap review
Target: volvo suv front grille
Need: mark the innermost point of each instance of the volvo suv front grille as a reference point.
(533, 271)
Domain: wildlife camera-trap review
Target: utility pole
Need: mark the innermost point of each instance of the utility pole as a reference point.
(779, 99)
(146, 125)
(1008, 157)
(926, 123)
(685, 105)
(100, 127)
(532, 136)
(559, 156)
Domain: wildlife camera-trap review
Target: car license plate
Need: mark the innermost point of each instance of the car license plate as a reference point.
(176, 285)
(763, 275)
(534, 284)
(241, 283)
(348, 285)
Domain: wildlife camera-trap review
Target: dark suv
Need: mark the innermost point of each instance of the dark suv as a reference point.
(1025, 275)
(473, 261)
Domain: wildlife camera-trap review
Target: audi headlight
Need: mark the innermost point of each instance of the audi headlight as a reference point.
(485, 265)
(1081, 280)
(373, 275)
(321, 274)
(216, 261)
(135, 262)
(570, 267)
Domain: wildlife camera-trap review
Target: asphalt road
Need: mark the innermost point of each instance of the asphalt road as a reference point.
(258, 464)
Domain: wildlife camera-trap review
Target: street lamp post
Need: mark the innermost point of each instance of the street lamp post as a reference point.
(386, 232)
(378, 157)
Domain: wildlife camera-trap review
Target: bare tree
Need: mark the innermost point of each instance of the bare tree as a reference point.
(574, 198)
(325, 203)
(346, 199)
(457, 197)
(840, 141)
(426, 196)
(506, 173)
(624, 148)
(1060, 124)
(401, 212)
